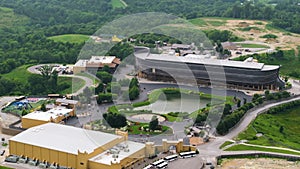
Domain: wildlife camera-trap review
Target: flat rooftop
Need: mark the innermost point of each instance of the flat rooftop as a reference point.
(206, 61)
(47, 115)
(95, 60)
(107, 156)
(67, 101)
(64, 138)
(102, 59)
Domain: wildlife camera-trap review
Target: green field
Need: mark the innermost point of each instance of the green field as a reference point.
(245, 147)
(226, 144)
(74, 83)
(135, 129)
(19, 74)
(117, 4)
(2, 167)
(8, 19)
(253, 46)
(213, 21)
(270, 124)
(198, 22)
(71, 38)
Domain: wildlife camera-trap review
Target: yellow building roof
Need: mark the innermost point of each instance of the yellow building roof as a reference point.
(64, 138)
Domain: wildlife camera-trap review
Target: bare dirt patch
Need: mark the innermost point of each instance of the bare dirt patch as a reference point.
(261, 163)
(257, 28)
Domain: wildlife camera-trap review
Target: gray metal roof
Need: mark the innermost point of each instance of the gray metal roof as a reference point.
(64, 138)
(206, 61)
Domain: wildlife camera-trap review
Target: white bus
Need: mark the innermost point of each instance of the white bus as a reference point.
(149, 167)
(187, 154)
(162, 165)
(156, 163)
(171, 157)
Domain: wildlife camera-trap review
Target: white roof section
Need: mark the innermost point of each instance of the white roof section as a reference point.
(95, 60)
(144, 53)
(107, 157)
(67, 101)
(64, 138)
(102, 59)
(269, 67)
(205, 61)
(46, 116)
(81, 63)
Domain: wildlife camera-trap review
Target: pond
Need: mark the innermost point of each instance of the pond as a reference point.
(187, 103)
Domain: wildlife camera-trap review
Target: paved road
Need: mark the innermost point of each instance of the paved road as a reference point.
(211, 149)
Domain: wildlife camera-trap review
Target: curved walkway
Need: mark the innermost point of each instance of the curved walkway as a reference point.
(88, 82)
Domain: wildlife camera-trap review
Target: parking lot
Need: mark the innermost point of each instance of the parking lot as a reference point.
(186, 163)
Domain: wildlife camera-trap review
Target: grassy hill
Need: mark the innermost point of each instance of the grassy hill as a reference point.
(71, 38)
(270, 124)
(21, 74)
(117, 4)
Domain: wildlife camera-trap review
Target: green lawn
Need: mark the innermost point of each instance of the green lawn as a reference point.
(244, 147)
(2, 167)
(135, 129)
(198, 22)
(20, 74)
(202, 22)
(117, 4)
(216, 22)
(253, 45)
(71, 38)
(226, 144)
(269, 125)
(74, 83)
(172, 118)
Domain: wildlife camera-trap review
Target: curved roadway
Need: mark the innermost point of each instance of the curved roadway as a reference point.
(211, 150)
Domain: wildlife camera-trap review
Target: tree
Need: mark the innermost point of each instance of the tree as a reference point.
(153, 125)
(134, 82)
(227, 109)
(106, 68)
(105, 97)
(46, 71)
(281, 129)
(104, 77)
(134, 93)
(43, 107)
(245, 100)
(99, 88)
(238, 103)
(115, 120)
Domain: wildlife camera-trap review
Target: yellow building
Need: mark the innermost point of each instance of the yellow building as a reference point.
(62, 109)
(55, 115)
(77, 148)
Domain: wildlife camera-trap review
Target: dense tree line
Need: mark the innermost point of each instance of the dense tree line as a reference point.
(115, 120)
(34, 47)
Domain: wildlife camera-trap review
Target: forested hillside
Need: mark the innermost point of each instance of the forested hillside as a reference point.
(26, 25)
